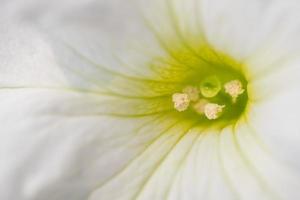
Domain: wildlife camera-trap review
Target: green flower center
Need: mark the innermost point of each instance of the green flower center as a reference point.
(212, 87)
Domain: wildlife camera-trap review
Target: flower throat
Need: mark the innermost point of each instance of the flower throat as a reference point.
(213, 88)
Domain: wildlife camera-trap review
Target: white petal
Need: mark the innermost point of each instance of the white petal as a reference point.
(273, 123)
(276, 178)
(26, 58)
(186, 167)
(99, 30)
(131, 180)
(276, 119)
(61, 142)
(245, 28)
(237, 169)
(58, 139)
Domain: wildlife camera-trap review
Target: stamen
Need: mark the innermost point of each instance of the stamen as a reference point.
(192, 92)
(181, 101)
(210, 86)
(213, 111)
(234, 89)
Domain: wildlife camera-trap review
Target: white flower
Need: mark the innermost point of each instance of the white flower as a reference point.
(86, 105)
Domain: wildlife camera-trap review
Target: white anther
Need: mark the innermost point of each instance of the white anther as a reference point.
(181, 101)
(213, 111)
(234, 89)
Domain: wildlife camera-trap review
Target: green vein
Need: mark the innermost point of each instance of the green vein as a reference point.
(123, 170)
(86, 91)
(225, 172)
(251, 167)
(100, 67)
(183, 161)
(136, 196)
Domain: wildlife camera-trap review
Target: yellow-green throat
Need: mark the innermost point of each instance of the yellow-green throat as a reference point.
(212, 89)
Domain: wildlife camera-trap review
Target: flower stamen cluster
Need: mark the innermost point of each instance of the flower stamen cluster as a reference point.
(208, 99)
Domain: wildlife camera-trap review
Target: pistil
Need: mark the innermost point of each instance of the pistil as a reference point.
(210, 87)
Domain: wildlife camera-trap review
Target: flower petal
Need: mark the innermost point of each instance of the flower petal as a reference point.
(273, 123)
(277, 178)
(56, 134)
(276, 118)
(65, 146)
(26, 58)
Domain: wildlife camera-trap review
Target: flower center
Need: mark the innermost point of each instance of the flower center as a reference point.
(213, 88)
(210, 97)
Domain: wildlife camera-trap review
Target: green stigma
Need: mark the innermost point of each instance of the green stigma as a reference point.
(210, 86)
